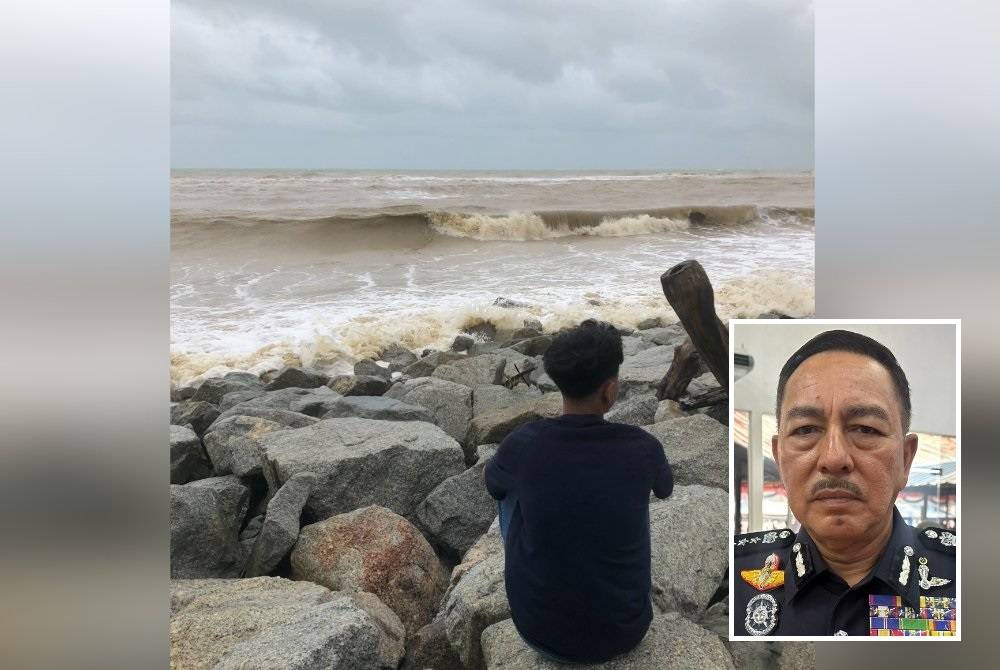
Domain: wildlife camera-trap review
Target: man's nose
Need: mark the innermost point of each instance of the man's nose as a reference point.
(835, 454)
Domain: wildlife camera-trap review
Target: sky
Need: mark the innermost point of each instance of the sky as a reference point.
(475, 84)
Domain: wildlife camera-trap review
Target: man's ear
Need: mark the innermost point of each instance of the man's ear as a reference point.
(609, 392)
(776, 452)
(910, 445)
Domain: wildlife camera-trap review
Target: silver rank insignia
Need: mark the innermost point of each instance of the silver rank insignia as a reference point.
(762, 614)
(926, 581)
(904, 570)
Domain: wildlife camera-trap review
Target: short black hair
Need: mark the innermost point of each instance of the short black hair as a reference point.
(856, 343)
(582, 358)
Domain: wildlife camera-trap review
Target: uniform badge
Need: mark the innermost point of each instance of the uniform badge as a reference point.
(904, 568)
(762, 614)
(926, 581)
(767, 578)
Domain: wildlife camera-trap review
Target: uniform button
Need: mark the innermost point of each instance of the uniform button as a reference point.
(841, 632)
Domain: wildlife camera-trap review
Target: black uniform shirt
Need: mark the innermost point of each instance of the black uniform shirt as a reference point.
(814, 601)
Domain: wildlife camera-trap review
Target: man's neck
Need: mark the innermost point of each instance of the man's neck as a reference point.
(592, 407)
(852, 561)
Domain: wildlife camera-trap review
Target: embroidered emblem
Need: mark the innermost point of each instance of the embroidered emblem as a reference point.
(742, 542)
(784, 533)
(770, 537)
(796, 547)
(762, 614)
(949, 539)
(755, 539)
(767, 578)
(904, 571)
(800, 566)
(926, 581)
(930, 533)
(841, 633)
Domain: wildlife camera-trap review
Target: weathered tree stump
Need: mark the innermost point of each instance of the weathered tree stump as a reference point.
(683, 368)
(689, 292)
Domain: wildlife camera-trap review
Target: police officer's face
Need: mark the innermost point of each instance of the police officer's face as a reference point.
(841, 447)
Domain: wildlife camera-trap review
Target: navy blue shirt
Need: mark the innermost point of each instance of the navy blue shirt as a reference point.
(577, 564)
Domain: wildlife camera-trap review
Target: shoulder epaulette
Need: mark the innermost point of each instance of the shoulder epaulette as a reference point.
(751, 543)
(939, 539)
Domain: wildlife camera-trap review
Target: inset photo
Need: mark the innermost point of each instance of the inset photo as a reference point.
(844, 464)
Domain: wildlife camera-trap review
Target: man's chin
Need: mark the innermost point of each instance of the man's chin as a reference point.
(833, 524)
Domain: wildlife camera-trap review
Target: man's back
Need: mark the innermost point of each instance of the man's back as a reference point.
(577, 546)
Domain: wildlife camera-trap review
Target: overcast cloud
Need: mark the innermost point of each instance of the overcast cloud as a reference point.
(510, 84)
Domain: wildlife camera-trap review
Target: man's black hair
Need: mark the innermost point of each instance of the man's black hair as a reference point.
(580, 359)
(845, 340)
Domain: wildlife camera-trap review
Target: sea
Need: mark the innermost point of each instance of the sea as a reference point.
(323, 267)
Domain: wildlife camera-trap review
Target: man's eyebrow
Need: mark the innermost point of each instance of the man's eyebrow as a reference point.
(863, 411)
(804, 412)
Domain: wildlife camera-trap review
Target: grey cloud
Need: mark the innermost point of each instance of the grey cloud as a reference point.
(462, 84)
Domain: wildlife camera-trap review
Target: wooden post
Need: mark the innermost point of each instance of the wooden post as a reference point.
(689, 292)
(683, 368)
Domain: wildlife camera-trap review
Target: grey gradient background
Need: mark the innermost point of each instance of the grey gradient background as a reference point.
(907, 158)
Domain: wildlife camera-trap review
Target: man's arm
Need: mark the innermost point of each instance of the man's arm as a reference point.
(663, 476)
(498, 474)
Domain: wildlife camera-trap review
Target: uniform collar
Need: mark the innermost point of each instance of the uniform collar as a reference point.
(896, 567)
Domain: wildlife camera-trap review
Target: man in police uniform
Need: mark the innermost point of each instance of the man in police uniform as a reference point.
(844, 454)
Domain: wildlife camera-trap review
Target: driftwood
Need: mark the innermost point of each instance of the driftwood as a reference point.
(689, 292)
(710, 397)
(520, 378)
(683, 369)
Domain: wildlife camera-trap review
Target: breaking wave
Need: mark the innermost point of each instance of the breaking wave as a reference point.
(337, 347)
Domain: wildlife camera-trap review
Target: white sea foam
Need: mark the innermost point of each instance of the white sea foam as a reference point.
(519, 226)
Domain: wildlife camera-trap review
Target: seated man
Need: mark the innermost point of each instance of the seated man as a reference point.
(844, 453)
(574, 494)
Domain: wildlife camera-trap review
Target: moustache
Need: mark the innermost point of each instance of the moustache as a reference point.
(836, 483)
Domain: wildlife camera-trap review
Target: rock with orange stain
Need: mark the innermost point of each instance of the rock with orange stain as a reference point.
(374, 549)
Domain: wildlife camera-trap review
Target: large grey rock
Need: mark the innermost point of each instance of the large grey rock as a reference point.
(496, 425)
(636, 411)
(377, 407)
(397, 356)
(672, 642)
(293, 377)
(484, 452)
(351, 385)
(701, 384)
(316, 402)
(188, 460)
(285, 416)
(429, 648)
(516, 364)
(542, 380)
(672, 335)
(392, 640)
(205, 520)
(651, 322)
(462, 342)
(235, 398)
(458, 511)
(280, 528)
(178, 393)
(369, 367)
(373, 549)
(214, 389)
(450, 404)
(269, 622)
(689, 556)
(196, 413)
(697, 448)
(640, 373)
(233, 443)
(476, 601)
(474, 370)
(633, 344)
(668, 409)
(363, 462)
(533, 346)
(492, 397)
(286, 398)
(427, 364)
(772, 655)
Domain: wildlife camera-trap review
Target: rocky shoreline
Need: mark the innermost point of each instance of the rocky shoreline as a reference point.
(342, 521)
